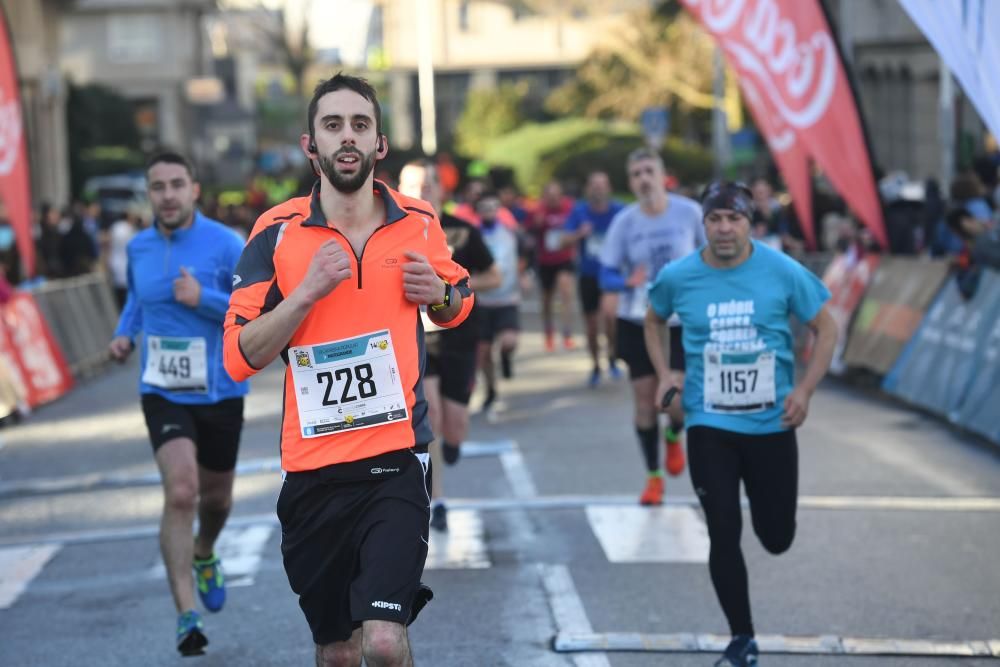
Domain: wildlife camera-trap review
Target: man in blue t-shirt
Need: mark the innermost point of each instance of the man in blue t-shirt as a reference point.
(587, 226)
(734, 299)
(180, 276)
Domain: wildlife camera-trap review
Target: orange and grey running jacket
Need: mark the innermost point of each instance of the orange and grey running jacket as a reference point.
(275, 261)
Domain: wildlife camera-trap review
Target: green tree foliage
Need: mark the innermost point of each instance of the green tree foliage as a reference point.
(569, 149)
(102, 133)
(659, 57)
(488, 114)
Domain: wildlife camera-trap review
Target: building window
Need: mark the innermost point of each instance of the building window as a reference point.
(134, 38)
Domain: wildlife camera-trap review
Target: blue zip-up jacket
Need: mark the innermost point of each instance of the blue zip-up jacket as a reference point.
(209, 251)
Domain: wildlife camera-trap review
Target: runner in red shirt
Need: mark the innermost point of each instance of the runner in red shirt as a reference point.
(556, 260)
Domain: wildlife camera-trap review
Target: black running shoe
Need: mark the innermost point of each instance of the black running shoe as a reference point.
(439, 517)
(191, 638)
(450, 453)
(491, 397)
(741, 652)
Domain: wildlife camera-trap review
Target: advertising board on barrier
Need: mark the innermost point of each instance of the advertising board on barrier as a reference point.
(893, 307)
(37, 357)
(940, 363)
(980, 408)
(12, 386)
(847, 278)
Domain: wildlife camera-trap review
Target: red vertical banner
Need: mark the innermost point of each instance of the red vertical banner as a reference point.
(785, 52)
(15, 182)
(789, 154)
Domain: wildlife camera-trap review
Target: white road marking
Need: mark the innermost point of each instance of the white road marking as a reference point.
(18, 566)
(554, 502)
(566, 642)
(517, 473)
(263, 465)
(568, 611)
(650, 535)
(462, 547)
(240, 551)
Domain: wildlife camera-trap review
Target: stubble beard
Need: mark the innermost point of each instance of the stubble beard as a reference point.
(347, 184)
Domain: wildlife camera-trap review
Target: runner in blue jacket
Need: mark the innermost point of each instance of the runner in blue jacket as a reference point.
(180, 274)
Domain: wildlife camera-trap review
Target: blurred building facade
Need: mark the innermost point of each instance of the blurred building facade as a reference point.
(34, 30)
(153, 52)
(898, 74)
(484, 43)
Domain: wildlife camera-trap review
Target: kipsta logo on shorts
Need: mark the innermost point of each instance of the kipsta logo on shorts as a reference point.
(394, 606)
(302, 359)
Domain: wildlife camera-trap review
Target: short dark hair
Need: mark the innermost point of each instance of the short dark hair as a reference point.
(644, 153)
(171, 157)
(954, 219)
(338, 82)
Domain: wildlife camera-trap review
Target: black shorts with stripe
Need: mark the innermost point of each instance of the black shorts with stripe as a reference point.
(214, 428)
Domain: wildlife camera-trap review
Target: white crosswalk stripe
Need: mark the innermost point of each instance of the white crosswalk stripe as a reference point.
(239, 549)
(18, 566)
(462, 547)
(649, 534)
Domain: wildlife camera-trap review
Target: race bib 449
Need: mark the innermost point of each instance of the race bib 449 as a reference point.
(176, 364)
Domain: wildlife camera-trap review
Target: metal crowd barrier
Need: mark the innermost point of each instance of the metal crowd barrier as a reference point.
(82, 315)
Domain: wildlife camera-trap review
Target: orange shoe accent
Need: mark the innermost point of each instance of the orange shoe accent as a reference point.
(569, 343)
(675, 458)
(653, 493)
(550, 342)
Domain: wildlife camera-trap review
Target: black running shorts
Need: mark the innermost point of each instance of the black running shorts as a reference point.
(495, 319)
(631, 348)
(549, 273)
(354, 541)
(215, 428)
(454, 365)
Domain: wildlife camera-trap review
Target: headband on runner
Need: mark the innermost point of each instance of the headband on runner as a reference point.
(727, 195)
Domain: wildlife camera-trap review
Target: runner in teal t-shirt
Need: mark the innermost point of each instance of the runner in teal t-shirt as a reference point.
(734, 299)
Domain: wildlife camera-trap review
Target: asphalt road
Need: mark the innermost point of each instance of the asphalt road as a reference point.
(899, 531)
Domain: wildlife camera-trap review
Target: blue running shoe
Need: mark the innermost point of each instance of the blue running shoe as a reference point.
(741, 652)
(615, 372)
(191, 639)
(595, 378)
(210, 582)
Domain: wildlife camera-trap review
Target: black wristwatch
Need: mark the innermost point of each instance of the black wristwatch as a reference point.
(447, 299)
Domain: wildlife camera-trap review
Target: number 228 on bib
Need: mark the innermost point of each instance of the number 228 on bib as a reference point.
(347, 384)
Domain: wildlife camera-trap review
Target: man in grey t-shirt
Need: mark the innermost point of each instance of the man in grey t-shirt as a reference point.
(646, 236)
(499, 317)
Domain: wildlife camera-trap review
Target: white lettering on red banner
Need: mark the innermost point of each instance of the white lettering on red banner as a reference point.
(789, 69)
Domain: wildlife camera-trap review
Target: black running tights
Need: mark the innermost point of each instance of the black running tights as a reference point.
(768, 466)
